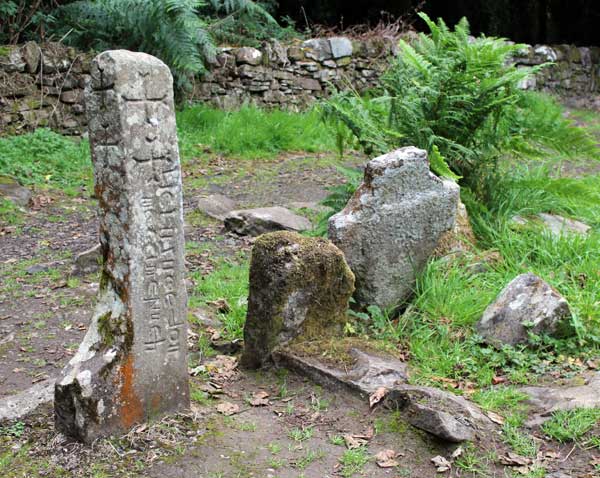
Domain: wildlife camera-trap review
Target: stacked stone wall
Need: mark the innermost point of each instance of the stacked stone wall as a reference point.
(42, 85)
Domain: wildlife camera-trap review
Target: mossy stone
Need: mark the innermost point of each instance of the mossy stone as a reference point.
(300, 288)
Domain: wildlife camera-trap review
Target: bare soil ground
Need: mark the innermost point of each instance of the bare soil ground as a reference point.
(298, 429)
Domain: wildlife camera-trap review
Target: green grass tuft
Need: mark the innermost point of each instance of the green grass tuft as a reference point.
(250, 132)
(45, 157)
(570, 425)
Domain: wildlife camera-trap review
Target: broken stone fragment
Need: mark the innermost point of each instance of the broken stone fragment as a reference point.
(300, 288)
(545, 400)
(318, 49)
(392, 225)
(88, 261)
(526, 304)
(216, 206)
(556, 225)
(367, 372)
(443, 414)
(254, 222)
(460, 238)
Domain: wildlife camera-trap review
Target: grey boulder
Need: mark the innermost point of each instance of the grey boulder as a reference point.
(392, 225)
(340, 47)
(254, 222)
(527, 304)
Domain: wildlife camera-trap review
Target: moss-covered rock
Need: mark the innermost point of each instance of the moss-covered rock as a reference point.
(299, 289)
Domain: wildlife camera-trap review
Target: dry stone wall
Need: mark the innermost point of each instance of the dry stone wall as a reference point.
(42, 85)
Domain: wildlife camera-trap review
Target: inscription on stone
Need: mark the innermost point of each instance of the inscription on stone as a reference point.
(132, 364)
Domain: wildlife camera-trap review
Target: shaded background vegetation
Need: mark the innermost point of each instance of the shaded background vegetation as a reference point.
(530, 21)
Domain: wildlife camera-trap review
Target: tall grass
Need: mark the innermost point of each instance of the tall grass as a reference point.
(250, 132)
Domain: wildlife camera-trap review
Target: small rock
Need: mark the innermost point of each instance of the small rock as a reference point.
(216, 206)
(10, 189)
(340, 47)
(37, 268)
(254, 222)
(318, 49)
(443, 414)
(248, 55)
(460, 238)
(300, 288)
(16, 406)
(527, 304)
(88, 261)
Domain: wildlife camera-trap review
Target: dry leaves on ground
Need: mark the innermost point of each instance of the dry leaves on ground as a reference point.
(377, 396)
(387, 459)
(228, 408)
(259, 399)
(441, 464)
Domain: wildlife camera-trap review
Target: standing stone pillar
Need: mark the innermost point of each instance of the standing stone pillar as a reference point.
(132, 364)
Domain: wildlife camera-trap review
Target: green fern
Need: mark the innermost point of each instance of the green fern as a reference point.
(458, 98)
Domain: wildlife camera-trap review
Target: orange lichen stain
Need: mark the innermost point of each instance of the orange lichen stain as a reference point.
(132, 411)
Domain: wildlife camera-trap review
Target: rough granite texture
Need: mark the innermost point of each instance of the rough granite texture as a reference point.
(527, 304)
(132, 363)
(392, 225)
(299, 290)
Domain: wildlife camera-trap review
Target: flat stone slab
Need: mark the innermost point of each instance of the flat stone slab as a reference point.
(17, 406)
(254, 222)
(443, 414)
(216, 206)
(546, 400)
(367, 374)
(556, 225)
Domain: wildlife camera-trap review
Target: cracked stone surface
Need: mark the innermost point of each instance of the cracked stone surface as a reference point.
(132, 363)
(392, 225)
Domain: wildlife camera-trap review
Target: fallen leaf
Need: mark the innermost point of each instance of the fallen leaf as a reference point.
(498, 419)
(352, 442)
(441, 464)
(512, 459)
(221, 305)
(456, 453)
(387, 459)
(228, 408)
(496, 380)
(370, 433)
(377, 396)
(259, 399)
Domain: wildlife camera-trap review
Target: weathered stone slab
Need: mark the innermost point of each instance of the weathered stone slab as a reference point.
(254, 222)
(443, 414)
(340, 47)
(19, 405)
(526, 304)
(300, 288)
(216, 206)
(545, 400)
(560, 226)
(132, 364)
(392, 225)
